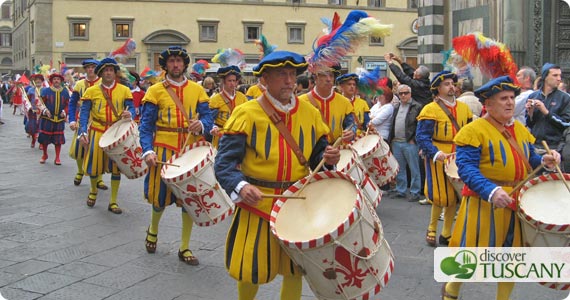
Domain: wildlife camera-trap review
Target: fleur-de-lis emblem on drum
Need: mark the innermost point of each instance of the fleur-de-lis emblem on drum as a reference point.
(133, 158)
(200, 202)
(380, 166)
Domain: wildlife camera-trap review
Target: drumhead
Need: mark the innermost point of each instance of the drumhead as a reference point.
(187, 161)
(114, 133)
(547, 202)
(345, 156)
(323, 210)
(366, 143)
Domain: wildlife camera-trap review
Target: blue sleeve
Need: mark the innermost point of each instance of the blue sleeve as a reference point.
(535, 160)
(366, 120)
(231, 151)
(72, 109)
(349, 122)
(205, 116)
(147, 126)
(214, 112)
(467, 160)
(424, 133)
(84, 116)
(317, 154)
(131, 105)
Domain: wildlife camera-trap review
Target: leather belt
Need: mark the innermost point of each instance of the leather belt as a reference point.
(270, 184)
(104, 123)
(505, 183)
(172, 129)
(443, 142)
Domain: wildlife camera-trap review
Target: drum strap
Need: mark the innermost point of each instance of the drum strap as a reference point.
(109, 102)
(448, 113)
(175, 99)
(316, 105)
(511, 140)
(278, 122)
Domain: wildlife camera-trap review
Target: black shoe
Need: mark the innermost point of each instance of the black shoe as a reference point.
(444, 241)
(415, 198)
(400, 195)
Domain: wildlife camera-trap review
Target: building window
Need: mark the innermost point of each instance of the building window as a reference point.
(337, 2)
(208, 30)
(78, 28)
(6, 11)
(376, 41)
(5, 40)
(412, 3)
(122, 28)
(375, 3)
(252, 31)
(296, 32)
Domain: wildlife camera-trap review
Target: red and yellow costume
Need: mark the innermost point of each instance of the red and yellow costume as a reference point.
(336, 111)
(222, 106)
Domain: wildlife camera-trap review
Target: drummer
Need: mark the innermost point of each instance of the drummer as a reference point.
(489, 170)
(438, 122)
(268, 164)
(164, 129)
(224, 103)
(105, 103)
(336, 110)
(348, 84)
(76, 151)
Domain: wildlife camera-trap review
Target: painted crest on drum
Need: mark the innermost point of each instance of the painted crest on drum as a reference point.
(133, 158)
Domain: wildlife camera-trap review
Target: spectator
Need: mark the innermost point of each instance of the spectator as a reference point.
(469, 98)
(381, 113)
(209, 86)
(404, 147)
(417, 79)
(526, 77)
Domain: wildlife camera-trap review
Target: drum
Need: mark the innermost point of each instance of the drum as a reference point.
(351, 164)
(335, 237)
(190, 176)
(121, 144)
(543, 204)
(452, 174)
(379, 162)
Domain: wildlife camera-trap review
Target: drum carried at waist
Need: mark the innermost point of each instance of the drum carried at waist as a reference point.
(378, 161)
(190, 176)
(452, 174)
(543, 205)
(351, 164)
(334, 235)
(121, 143)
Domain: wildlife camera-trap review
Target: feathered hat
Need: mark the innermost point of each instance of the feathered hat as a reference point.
(106, 62)
(37, 76)
(264, 46)
(492, 57)
(170, 51)
(151, 75)
(495, 86)
(199, 68)
(455, 63)
(343, 38)
(278, 59)
(231, 60)
(346, 77)
(439, 78)
(369, 82)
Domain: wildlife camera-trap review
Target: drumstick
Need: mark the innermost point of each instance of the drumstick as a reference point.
(167, 164)
(319, 166)
(557, 166)
(190, 134)
(530, 176)
(282, 196)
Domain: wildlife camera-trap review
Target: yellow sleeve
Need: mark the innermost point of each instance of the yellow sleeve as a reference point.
(203, 97)
(428, 112)
(89, 93)
(468, 135)
(150, 95)
(238, 123)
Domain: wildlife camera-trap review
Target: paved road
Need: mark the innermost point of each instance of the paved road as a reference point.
(53, 247)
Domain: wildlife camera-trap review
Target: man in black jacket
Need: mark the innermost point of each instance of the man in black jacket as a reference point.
(417, 79)
(404, 147)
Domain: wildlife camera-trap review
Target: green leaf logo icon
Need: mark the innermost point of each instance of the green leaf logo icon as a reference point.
(462, 265)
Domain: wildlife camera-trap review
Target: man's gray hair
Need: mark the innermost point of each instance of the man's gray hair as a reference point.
(528, 72)
(423, 71)
(404, 86)
(467, 85)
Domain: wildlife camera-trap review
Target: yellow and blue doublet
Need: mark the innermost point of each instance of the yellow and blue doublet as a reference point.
(222, 107)
(486, 160)
(435, 133)
(252, 142)
(164, 130)
(254, 92)
(361, 113)
(336, 111)
(95, 107)
(76, 150)
(51, 130)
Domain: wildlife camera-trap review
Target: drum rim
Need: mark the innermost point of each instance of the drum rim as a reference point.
(122, 138)
(373, 149)
(187, 173)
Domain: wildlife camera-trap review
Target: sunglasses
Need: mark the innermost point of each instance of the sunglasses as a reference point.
(403, 93)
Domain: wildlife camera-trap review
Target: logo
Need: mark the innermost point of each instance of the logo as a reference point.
(462, 265)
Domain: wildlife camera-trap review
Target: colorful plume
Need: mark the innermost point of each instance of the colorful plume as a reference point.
(125, 51)
(369, 81)
(341, 39)
(229, 57)
(455, 63)
(150, 75)
(200, 67)
(264, 47)
(492, 57)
